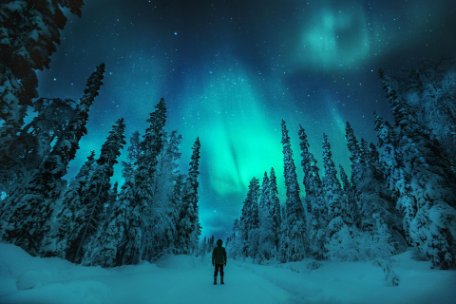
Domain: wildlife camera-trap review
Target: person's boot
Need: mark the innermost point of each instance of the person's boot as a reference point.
(221, 279)
(215, 280)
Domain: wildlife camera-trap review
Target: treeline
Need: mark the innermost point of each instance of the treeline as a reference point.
(88, 220)
(402, 189)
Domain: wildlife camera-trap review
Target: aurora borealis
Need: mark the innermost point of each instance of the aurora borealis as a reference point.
(231, 70)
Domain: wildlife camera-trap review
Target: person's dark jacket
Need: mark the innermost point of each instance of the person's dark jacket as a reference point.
(219, 256)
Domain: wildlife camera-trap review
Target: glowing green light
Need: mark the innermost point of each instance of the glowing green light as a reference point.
(234, 127)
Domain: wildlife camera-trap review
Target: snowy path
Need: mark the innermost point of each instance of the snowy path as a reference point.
(181, 279)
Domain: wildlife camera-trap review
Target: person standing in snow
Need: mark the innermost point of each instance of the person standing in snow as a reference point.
(219, 260)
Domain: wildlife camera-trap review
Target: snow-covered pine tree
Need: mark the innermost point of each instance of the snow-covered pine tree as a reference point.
(371, 189)
(91, 214)
(111, 201)
(296, 230)
(30, 34)
(107, 245)
(164, 186)
(175, 205)
(267, 242)
(333, 195)
(235, 243)
(429, 90)
(250, 221)
(188, 226)
(123, 238)
(56, 241)
(389, 159)
(316, 210)
(426, 196)
(126, 222)
(167, 170)
(34, 141)
(31, 206)
(349, 208)
(275, 211)
(150, 148)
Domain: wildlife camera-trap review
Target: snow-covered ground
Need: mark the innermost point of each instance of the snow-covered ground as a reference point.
(183, 279)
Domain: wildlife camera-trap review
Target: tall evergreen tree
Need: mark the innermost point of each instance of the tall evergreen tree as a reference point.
(188, 226)
(250, 221)
(426, 197)
(266, 246)
(99, 191)
(31, 206)
(275, 210)
(316, 209)
(371, 190)
(151, 146)
(86, 217)
(349, 208)
(56, 241)
(295, 241)
(30, 34)
(33, 143)
(332, 192)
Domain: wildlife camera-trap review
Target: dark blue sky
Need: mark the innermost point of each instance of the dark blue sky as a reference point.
(231, 70)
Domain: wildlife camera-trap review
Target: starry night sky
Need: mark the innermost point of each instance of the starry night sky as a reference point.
(231, 70)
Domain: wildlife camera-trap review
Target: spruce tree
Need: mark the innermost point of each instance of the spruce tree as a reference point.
(332, 192)
(91, 214)
(151, 146)
(296, 242)
(188, 226)
(30, 35)
(31, 206)
(349, 208)
(250, 221)
(427, 197)
(267, 242)
(316, 211)
(371, 190)
(56, 241)
(275, 210)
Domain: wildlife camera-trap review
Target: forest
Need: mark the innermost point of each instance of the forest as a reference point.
(86, 220)
(401, 192)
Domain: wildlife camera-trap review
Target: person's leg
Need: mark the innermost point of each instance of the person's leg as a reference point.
(221, 274)
(215, 274)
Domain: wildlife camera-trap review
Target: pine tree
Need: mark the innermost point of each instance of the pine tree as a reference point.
(316, 211)
(188, 226)
(56, 241)
(33, 143)
(250, 221)
(267, 241)
(167, 170)
(138, 217)
(174, 213)
(31, 206)
(84, 213)
(275, 210)
(108, 244)
(371, 189)
(349, 208)
(131, 223)
(91, 215)
(332, 192)
(151, 146)
(427, 197)
(296, 235)
(30, 34)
